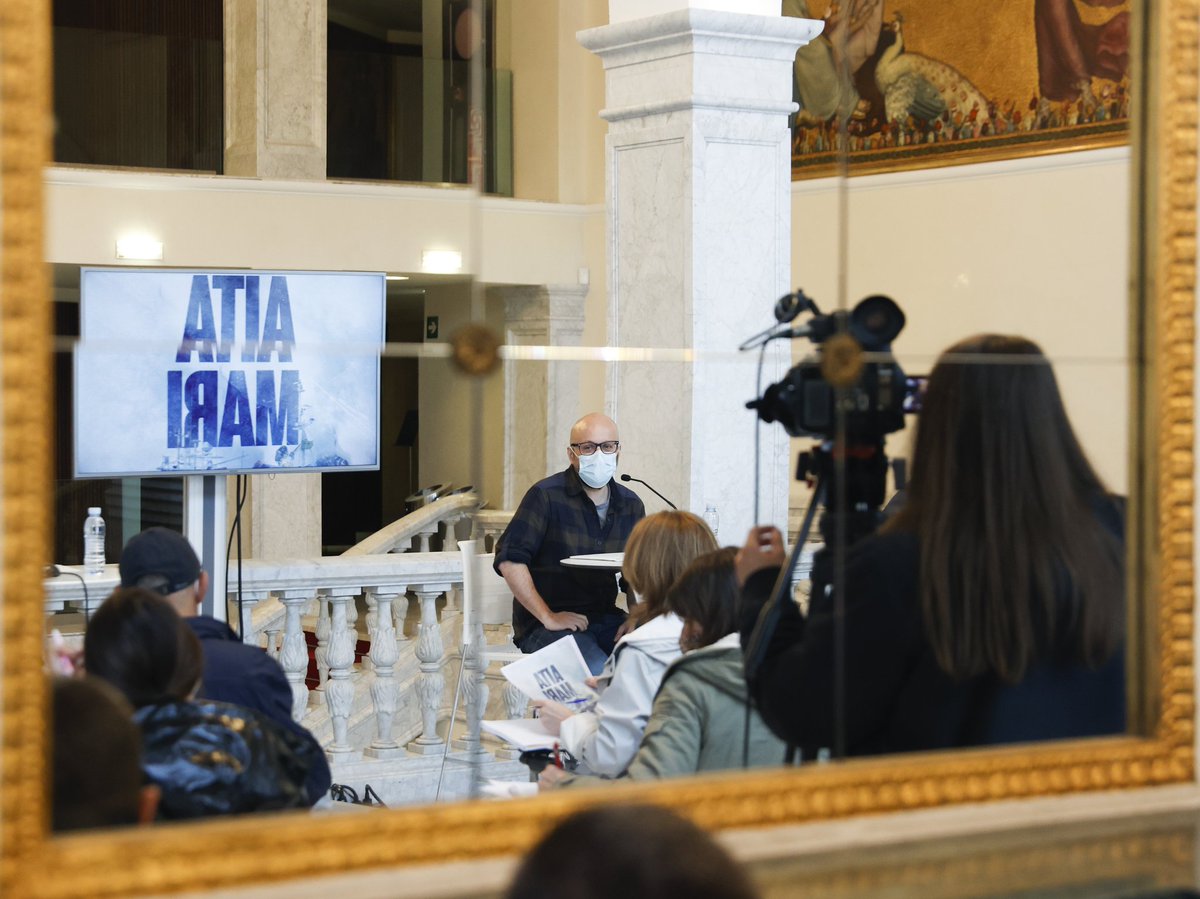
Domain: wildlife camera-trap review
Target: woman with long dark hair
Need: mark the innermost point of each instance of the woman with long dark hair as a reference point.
(990, 609)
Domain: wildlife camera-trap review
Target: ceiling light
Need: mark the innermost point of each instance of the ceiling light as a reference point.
(141, 247)
(396, 277)
(441, 262)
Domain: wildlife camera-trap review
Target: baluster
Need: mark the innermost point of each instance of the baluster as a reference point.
(475, 690)
(351, 625)
(339, 689)
(368, 661)
(273, 642)
(516, 703)
(245, 627)
(294, 655)
(450, 543)
(424, 537)
(430, 682)
(384, 654)
(322, 652)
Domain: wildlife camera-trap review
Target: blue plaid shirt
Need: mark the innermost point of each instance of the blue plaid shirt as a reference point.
(556, 519)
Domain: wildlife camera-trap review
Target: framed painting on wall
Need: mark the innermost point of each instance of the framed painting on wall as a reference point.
(906, 84)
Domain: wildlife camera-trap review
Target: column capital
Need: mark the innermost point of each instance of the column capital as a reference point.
(698, 58)
(546, 312)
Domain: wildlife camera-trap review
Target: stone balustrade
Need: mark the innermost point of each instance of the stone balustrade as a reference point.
(420, 525)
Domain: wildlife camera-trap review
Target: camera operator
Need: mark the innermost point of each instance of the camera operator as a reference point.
(989, 610)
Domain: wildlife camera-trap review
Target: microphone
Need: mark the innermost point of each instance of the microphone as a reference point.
(51, 571)
(786, 309)
(626, 478)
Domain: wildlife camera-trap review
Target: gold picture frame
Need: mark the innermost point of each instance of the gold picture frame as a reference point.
(240, 852)
(996, 87)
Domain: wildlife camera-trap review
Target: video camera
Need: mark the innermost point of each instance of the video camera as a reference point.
(852, 373)
(874, 395)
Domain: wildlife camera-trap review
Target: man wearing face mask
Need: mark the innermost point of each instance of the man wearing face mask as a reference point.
(577, 511)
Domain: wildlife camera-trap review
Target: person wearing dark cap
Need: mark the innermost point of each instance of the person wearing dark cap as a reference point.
(163, 561)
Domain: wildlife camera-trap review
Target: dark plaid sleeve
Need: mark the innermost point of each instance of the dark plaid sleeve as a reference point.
(526, 531)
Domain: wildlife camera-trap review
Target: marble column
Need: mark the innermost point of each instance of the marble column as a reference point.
(275, 102)
(541, 397)
(282, 517)
(275, 88)
(698, 196)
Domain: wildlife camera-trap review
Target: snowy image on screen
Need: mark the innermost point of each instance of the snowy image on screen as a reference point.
(227, 371)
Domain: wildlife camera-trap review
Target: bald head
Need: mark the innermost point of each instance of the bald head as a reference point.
(592, 428)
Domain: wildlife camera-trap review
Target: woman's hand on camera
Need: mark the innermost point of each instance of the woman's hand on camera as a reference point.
(763, 549)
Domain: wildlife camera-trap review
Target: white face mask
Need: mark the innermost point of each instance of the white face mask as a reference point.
(597, 469)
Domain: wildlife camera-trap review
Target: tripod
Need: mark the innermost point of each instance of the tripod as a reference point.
(857, 478)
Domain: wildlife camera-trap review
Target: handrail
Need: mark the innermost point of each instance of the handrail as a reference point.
(425, 521)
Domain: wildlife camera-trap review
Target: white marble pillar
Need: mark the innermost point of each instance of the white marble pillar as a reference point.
(275, 103)
(541, 397)
(275, 88)
(698, 179)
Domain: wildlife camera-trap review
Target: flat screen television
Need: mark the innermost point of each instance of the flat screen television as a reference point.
(232, 372)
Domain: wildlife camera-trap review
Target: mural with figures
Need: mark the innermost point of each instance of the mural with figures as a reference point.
(915, 83)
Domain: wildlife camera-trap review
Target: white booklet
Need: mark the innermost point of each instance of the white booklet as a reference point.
(556, 672)
(524, 733)
(506, 789)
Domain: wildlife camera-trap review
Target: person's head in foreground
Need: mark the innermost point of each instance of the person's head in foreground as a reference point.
(705, 597)
(659, 548)
(1015, 562)
(631, 852)
(97, 758)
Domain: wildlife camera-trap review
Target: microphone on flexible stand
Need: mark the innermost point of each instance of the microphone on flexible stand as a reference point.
(52, 571)
(626, 478)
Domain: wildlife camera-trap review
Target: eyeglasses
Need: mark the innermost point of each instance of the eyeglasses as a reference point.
(608, 447)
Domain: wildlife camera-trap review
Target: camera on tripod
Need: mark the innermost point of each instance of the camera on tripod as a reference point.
(872, 394)
(849, 395)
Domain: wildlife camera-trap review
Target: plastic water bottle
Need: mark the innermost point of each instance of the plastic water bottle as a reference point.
(711, 518)
(93, 542)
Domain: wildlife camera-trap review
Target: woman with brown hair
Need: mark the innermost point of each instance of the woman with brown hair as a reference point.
(990, 609)
(605, 737)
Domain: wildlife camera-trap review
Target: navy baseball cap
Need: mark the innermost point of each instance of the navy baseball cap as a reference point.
(162, 552)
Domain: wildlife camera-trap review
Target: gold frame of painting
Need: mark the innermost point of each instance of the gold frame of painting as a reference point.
(1009, 60)
(252, 850)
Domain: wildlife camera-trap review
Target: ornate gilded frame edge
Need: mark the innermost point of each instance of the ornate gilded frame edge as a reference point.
(215, 854)
(879, 162)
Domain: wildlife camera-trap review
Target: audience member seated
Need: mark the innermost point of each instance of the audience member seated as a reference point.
(97, 758)
(631, 851)
(989, 610)
(208, 758)
(163, 561)
(699, 721)
(605, 738)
